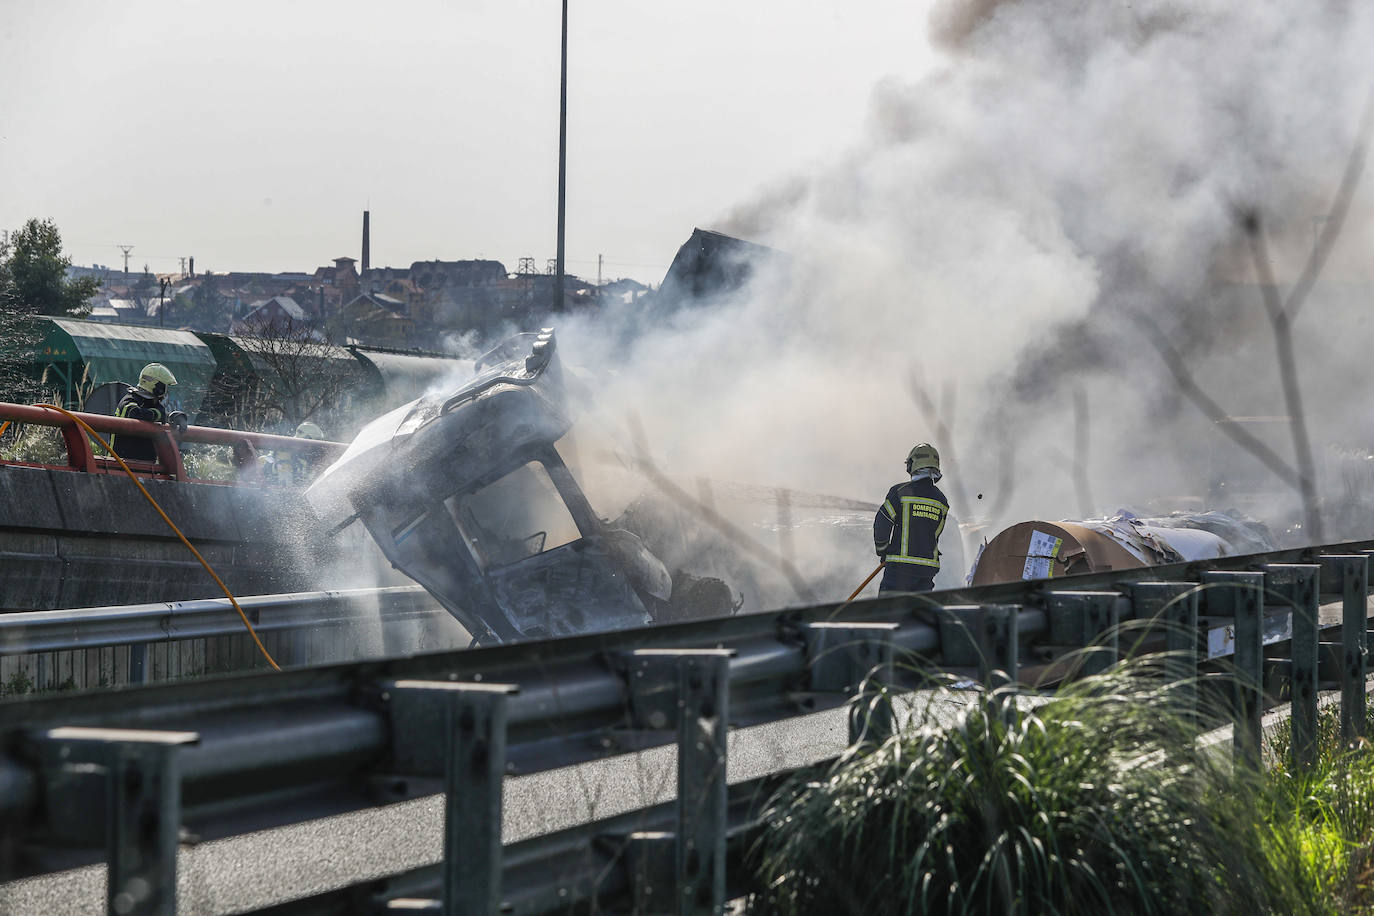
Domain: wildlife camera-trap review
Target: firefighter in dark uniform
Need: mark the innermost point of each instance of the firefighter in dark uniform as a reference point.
(906, 530)
(144, 402)
(299, 467)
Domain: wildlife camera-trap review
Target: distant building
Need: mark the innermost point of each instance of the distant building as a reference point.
(125, 311)
(375, 277)
(375, 319)
(625, 290)
(400, 307)
(334, 286)
(251, 285)
(383, 301)
(103, 311)
(437, 274)
(158, 303)
(98, 271)
(457, 295)
(279, 314)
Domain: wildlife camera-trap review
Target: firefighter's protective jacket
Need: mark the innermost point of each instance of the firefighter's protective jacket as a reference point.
(138, 405)
(906, 533)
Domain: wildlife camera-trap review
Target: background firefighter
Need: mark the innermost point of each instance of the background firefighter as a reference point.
(144, 402)
(906, 530)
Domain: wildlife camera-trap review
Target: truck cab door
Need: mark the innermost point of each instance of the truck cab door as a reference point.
(549, 570)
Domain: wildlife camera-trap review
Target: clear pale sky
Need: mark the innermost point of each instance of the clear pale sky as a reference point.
(252, 135)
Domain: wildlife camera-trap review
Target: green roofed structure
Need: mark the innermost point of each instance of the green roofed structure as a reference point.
(405, 376)
(264, 382)
(77, 357)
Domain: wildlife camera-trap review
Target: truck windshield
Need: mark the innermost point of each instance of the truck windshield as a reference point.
(517, 516)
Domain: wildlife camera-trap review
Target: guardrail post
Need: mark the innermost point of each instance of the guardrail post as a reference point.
(459, 730)
(1173, 605)
(689, 689)
(413, 905)
(856, 658)
(1240, 596)
(652, 860)
(138, 663)
(1296, 583)
(1087, 619)
(1347, 575)
(981, 636)
(142, 810)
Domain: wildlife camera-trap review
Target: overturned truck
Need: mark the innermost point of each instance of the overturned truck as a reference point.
(466, 493)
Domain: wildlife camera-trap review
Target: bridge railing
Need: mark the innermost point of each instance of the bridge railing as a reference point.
(226, 756)
(112, 646)
(81, 453)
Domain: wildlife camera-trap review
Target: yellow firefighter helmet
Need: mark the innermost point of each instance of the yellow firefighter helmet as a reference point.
(923, 455)
(156, 379)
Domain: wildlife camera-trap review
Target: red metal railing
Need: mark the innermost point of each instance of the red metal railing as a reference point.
(166, 441)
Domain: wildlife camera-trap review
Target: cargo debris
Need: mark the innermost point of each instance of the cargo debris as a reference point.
(1050, 550)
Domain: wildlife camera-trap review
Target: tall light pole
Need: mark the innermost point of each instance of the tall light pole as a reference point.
(162, 302)
(562, 162)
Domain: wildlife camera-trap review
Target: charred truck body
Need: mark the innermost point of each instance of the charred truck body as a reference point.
(466, 493)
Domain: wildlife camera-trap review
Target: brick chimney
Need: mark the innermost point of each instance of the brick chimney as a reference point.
(366, 243)
(345, 278)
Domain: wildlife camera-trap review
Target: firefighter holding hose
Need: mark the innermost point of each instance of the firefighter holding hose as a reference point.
(906, 530)
(144, 402)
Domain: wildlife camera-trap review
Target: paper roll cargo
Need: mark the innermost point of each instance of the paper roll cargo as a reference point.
(1051, 550)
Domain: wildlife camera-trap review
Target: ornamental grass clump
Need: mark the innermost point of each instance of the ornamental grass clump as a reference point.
(1095, 800)
(1325, 813)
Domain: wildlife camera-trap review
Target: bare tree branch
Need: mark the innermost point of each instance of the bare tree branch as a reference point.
(1006, 477)
(298, 376)
(1214, 411)
(1086, 503)
(783, 500)
(741, 539)
(935, 418)
(1335, 216)
(1281, 317)
(1288, 375)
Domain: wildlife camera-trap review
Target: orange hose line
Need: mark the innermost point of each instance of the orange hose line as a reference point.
(861, 587)
(4, 426)
(189, 546)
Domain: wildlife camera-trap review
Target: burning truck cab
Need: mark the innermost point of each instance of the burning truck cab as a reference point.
(466, 493)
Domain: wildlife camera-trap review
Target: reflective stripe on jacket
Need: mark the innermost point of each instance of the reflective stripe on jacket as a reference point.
(138, 405)
(907, 527)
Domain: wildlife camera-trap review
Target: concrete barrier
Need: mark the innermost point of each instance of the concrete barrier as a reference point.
(69, 539)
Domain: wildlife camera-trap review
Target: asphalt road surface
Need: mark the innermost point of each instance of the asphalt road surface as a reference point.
(256, 870)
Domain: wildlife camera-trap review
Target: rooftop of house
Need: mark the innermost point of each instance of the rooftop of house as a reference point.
(285, 303)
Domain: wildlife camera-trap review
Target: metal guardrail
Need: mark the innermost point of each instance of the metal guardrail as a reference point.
(230, 755)
(98, 627)
(138, 625)
(141, 625)
(166, 441)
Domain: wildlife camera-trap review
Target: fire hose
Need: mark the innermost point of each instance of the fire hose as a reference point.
(189, 546)
(864, 584)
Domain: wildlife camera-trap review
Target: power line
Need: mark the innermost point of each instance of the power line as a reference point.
(613, 261)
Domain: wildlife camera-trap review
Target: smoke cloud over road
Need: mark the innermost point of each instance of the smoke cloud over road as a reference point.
(998, 238)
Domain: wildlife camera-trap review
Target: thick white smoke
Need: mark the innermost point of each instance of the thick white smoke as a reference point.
(997, 235)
